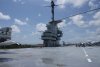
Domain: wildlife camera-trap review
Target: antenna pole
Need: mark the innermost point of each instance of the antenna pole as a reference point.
(52, 9)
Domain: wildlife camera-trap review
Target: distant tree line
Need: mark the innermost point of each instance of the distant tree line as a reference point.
(12, 46)
(83, 44)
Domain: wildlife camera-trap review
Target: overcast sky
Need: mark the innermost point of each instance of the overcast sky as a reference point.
(28, 18)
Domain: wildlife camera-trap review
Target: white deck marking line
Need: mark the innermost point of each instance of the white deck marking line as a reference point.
(85, 52)
(87, 56)
(89, 60)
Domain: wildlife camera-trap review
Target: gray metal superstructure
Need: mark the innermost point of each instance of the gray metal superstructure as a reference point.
(52, 35)
(5, 34)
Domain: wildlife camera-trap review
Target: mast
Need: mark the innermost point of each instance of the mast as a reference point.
(52, 9)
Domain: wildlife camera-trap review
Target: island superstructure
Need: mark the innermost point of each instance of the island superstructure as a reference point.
(51, 37)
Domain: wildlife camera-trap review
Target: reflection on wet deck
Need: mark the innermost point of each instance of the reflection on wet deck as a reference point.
(50, 57)
(7, 53)
(5, 59)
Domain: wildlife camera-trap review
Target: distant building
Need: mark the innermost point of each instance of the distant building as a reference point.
(5, 34)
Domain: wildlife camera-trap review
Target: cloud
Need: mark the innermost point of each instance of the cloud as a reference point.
(62, 2)
(14, 0)
(94, 33)
(27, 19)
(92, 4)
(78, 20)
(76, 3)
(96, 20)
(24, 36)
(90, 33)
(98, 31)
(15, 29)
(35, 33)
(41, 27)
(17, 0)
(39, 14)
(97, 15)
(19, 22)
(62, 24)
(4, 17)
(47, 0)
(20, 1)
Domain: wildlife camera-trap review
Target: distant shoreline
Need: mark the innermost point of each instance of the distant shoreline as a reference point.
(16, 46)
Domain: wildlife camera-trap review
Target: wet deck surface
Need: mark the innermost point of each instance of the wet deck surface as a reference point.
(51, 57)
